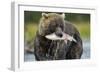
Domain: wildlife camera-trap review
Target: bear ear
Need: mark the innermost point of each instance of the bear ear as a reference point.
(63, 15)
(45, 15)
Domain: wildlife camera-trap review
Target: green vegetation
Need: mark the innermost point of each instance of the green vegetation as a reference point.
(84, 29)
(30, 31)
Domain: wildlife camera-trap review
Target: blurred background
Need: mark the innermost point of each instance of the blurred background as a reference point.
(31, 21)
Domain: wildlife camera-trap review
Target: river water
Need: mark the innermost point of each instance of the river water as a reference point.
(85, 55)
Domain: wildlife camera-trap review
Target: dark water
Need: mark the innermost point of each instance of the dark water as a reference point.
(85, 55)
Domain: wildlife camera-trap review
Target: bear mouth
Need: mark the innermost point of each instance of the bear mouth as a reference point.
(64, 37)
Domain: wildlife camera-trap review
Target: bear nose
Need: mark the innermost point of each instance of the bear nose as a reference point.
(59, 34)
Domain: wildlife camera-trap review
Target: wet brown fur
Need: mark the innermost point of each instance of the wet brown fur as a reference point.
(45, 49)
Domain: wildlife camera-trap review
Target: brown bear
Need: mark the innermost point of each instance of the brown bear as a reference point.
(57, 39)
